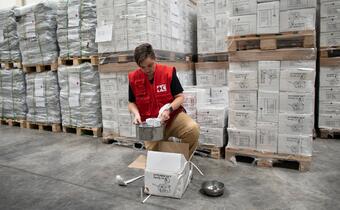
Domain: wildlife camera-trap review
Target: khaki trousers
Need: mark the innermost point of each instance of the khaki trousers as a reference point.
(182, 127)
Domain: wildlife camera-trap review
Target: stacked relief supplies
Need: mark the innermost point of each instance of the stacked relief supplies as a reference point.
(76, 21)
(330, 23)
(80, 96)
(12, 94)
(37, 33)
(9, 41)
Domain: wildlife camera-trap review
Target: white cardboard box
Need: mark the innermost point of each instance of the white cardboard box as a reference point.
(269, 75)
(170, 179)
(268, 17)
(296, 124)
(296, 145)
(243, 100)
(330, 8)
(330, 76)
(242, 7)
(297, 20)
(330, 24)
(244, 120)
(267, 136)
(329, 107)
(242, 80)
(214, 136)
(219, 95)
(329, 94)
(241, 138)
(212, 116)
(296, 103)
(330, 39)
(329, 121)
(242, 25)
(268, 106)
(211, 77)
(297, 4)
(243, 66)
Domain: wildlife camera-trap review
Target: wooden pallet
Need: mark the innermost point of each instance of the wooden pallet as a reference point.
(212, 57)
(269, 159)
(210, 151)
(329, 133)
(72, 61)
(330, 52)
(40, 67)
(10, 65)
(95, 132)
(54, 127)
(302, 39)
(126, 142)
(13, 122)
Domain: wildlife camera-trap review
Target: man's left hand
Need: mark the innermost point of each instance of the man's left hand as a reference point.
(165, 115)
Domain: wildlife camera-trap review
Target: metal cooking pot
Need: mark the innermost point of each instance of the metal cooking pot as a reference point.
(145, 132)
(212, 188)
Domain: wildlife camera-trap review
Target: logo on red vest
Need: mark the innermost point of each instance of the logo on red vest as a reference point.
(161, 88)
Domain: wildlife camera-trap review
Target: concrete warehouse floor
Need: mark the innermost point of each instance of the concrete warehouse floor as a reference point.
(43, 170)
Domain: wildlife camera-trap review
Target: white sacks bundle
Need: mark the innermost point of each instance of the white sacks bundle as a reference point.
(37, 33)
(12, 94)
(42, 97)
(80, 95)
(76, 31)
(9, 41)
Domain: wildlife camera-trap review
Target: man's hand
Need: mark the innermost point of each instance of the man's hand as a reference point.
(137, 120)
(165, 115)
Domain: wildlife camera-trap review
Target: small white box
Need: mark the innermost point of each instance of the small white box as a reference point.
(170, 179)
(206, 46)
(243, 100)
(268, 17)
(241, 138)
(296, 124)
(242, 7)
(206, 7)
(297, 20)
(242, 80)
(296, 103)
(267, 136)
(195, 97)
(219, 95)
(330, 76)
(329, 121)
(242, 25)
(212, 116)
(296, 145)
(211, 77)
(221, 6)
(330, 8)
(243, 66)
(297, 4)
(269, 75)
(214, 136)
(206, 21)
(329, 94)
(330, 39)
(329, 107)
(330, 24)
(244, 120)
(268, 106)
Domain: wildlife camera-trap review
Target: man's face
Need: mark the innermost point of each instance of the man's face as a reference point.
(147, 66)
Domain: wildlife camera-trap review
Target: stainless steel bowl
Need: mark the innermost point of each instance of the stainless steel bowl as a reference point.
(212, 188)
(149, 133)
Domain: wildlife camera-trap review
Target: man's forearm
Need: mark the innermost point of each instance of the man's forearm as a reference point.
(179, 99)
(133, 108)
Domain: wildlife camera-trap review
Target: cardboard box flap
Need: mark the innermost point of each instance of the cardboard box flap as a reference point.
(139, 163)
(165, 161)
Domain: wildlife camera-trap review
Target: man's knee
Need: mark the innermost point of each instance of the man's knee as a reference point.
(193, 129)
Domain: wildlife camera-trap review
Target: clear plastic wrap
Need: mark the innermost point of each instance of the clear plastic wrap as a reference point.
(80, 96)
(76, 21)
(13, 94)
(37, 33)
(9, 40)
(42, 97)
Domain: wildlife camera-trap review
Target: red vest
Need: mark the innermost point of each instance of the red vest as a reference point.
(151, 97)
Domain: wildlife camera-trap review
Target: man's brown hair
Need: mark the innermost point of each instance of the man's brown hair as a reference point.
(142, 52)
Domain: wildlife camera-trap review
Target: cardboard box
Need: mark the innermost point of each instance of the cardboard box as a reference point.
(206, 21)
(329, 121)
(296, 103)
(212, 116)
(268, 17)
(267, 137)
(297, 80)
(330, 39)
(242, 25)
(329, 94)
(221, 6)
(242, 7)
(330, 24)
(243, 100)
(297, 20)
(297, 4)
(243, 66)
(330, 76)
(269, 75)
(245, 139)
(242, 80)
(206, 7)
(244, 120)
(296, 124)
(212, 136)
(329, 107)
(170, 179)
(195, 97)
(219, 95)
(330, 8)
(186, 77)
(268, 106)
(296, 145)
(211, 77)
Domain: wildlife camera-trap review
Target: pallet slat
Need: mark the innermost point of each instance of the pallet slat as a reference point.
(211, 151)
(13, 122)
(95, 132)
(93, 59)
(330, 52)
(40, 67)
(54, 127)
(329, 133)
(11, 65)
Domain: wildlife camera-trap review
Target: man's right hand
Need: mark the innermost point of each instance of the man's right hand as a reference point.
(137, 120)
